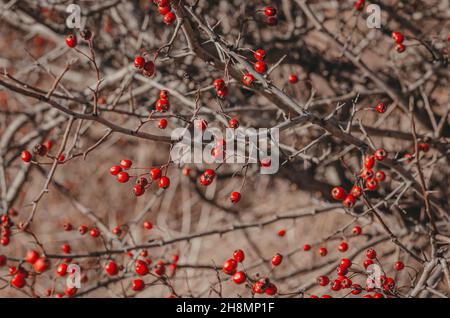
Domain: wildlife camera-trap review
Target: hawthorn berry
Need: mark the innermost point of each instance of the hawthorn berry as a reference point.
(398, 37)
(114, 170)
(164, 182)
(369, 162)
(271, 289)
(270, 11)
(293, 78)
(18, 280)
(306, 247)
(40, 150)
(162, 123)
(126, 163)
(221, 93)
(349, 201)
(229, 267)
(371, 184)
(207, 177)
(169, 18)
(82, 229)
(259, 287)
(123, 177)
(341, 271)
(338, 193)
(70, 291)
(399, 266)
(367, 174)
(25, 156)
(233, 123)
(356, 289)
(235, 197)
(281, 233)
(371, 253)
(111, 268)
(276, 259)
(239, 256)
(323, 251)
(138, 190)
(248, 79)
(423, 146)
(94, 232)
(140, 267)
(346, 282)
(138, 285)
(323, 280)
(356, 191)
(343, 247)
(61, 269)
(155, 173)
(139, 62)
(260, 67)
(380, 176)
(148, 225)
(381, 108)
(162, 105)
(356, 230)
(345, 263)
(41, 265)
(31, 256)
(142, 181)
(336, 285)
(367, 263)
(380, 154)
(259, 54)
(160, 268)
(239, 277)
(66, 248)
(149, 69)
(163, 10)
(218, 84)
(71, 40)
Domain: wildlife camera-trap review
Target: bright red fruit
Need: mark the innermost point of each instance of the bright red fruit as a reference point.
(126, 163)
(148, 225)
(259, 54)
(270, 11)
(111, 268)
(276, 259)
(349, 201)
(260, 67)
(139, 62)
(162, 123)
(164, 182)
(114, 170)
(207, 177)
(248, 79)
(123, 177)
(398, 37)
(25, 156)
(293, 79)
(399, 266)
(71, 40)
(239, 277)
(380, 154)
(338, 193)
(138, 285)
(343, 247)
(41, 265)
(323, 251)
(32, 256)
(233, 123)
(371, 253)
(169, 18)
(235, 197)
(239, 256)
(229, 267)
(138, 190)
(140, 267)
(149, 68)
(381, 108)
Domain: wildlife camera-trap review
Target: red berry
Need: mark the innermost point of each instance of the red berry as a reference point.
(367, 174)
(25, 156)
(18, 280)
(61, 270)
(221, 93)
(367, 263)
(371, 184)
(338, 193)
(239, 256)
(342, 271)
(148, 225)
(149, 68)
(260, 67)
(114, 170)
(207, 177)
(126, 163)
(138, 190)
(371, 253)
(155, 173)
(381, 108)
(423, 146)
(399, 266)
(82, 229)
(162, 105)
(31, 256)
(248, 79)
(323, 251)
(123, 177)
(356, 191)
(229, 267)
(111, 268)
(259, 54)
(400, 48)
(233, 123)
(369, 162)
(336, 285)
(323, 280)
(281, 233)
(163, 10)
(345, 263)
(164, 182)
(140, 267)
(380, 154)
(138, 285)
(70, 291)
(271, 289)
(293, 79)
(306, 247)
(219, 84)
(356, 230)
(276, 259)
(162, 123)
(270, 11)
(258, 287)
(41, 265)
(380, 176)
(94, 232)
(398, 37)
(169, 18)
(343, 247)
(356, 289)
(239, 277)
(235, 197)
(160, 268)
(349, 201)
(326, 296)
(71, 40)
(66, 248)
(139, 62)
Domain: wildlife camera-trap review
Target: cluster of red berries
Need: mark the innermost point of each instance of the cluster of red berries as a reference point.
(72, 40)
(271, 15)
(141, 268)
(423, 146)
(260, 66)
(398, 38)
(5, 230)
(381, 285)
(40, 150)
(147, 67)
(165, 10)
(207, 177)
(39, 264)
(371, 178)
(220, 87)
(142, 182)
(162, 105)
(82, 229)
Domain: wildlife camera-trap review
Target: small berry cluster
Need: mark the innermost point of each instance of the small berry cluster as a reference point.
(147, 67)
(72, 40)
(220, 87)
(271, 15)
(162, 105)
(371, 178)
(398, 38)
(165, 10)
(5, 230)
(142, 182)
(260, 66)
